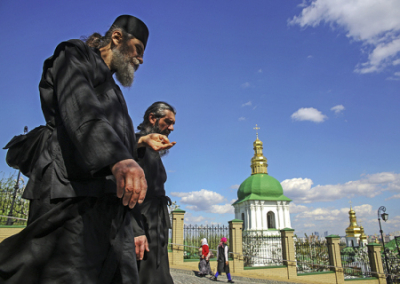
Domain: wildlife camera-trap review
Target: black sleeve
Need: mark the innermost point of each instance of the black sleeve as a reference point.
(140, 151)
(138, 225)
(81, 112)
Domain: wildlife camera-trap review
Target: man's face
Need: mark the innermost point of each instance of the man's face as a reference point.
(126, 58)
(165, 124)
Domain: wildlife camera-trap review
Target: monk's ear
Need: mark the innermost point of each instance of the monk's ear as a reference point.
(152, 119)
(116, 37)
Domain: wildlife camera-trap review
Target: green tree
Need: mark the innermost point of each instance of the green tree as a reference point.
(19, 208)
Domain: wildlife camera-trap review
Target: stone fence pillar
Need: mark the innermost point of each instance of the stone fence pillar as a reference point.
(375, 261)
(236, 244)
(334, 257)
(288, 252)
(177, 236)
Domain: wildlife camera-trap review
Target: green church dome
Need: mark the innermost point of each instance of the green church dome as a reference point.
(260, 187)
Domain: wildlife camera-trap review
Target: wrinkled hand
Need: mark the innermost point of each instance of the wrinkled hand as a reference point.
(155, 141)
(131, 182)
(141, 244)
(227, 262)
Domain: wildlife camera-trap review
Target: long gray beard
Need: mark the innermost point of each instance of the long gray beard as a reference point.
(125, 71)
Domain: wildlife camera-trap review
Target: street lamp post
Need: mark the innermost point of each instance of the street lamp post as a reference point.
(16, 187)
(385, 217)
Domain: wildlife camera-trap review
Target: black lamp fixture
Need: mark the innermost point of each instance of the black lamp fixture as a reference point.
(385, 216)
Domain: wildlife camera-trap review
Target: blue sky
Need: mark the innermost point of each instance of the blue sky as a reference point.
(320, 78)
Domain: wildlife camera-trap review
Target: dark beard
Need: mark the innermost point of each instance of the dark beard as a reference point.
(121, 63)
(155, 129)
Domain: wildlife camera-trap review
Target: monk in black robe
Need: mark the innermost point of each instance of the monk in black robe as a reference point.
(78, 229)
(154, 268)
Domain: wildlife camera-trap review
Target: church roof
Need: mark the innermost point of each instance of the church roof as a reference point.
(260, 185)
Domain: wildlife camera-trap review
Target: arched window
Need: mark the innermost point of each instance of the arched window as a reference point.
(243, 221)
(271, 220)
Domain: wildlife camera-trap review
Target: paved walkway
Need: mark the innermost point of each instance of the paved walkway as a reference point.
(181, 276)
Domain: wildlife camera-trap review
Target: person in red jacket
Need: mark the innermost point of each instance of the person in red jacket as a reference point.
(204, 265)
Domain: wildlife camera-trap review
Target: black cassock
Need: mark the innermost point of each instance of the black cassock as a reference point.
(154, 268)
(78, 230)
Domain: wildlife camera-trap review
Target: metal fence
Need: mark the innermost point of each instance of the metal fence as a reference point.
(13, 209)
(260, 248)
(312, 256)
(355, 262)
(393, 259)
(192, 235)
(12, 221)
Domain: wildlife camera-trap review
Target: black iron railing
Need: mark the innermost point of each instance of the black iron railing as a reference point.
(355, 262)
(393, 271)
(312, 256)
(262, 248)
(192, 235)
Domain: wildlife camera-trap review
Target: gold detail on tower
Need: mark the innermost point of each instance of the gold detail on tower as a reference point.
(258, 162)
(353, 230)
(363, 235)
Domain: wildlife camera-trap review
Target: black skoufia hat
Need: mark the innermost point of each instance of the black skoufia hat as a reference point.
(133, 26)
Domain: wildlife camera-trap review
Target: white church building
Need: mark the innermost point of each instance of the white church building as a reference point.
(261, 203)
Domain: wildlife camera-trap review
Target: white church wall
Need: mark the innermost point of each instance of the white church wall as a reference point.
(255, 214)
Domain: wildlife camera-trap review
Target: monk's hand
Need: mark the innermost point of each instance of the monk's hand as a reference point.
(131, 182)
(141, 244)
(155, 141)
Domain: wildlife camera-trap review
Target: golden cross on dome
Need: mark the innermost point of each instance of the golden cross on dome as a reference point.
(350, 203)
(256, 128)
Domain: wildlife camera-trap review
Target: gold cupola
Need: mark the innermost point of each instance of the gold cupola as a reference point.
(258, 162)
(353, 230)
(363, 235)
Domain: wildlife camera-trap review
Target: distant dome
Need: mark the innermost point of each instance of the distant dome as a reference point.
(261, 187)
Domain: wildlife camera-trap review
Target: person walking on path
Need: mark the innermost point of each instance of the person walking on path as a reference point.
(223, 263)
(204, 265)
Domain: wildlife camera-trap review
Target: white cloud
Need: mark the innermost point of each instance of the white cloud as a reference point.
(338, 215)
(310, 114)
(374, 23)
(309, 225)
(245, 85)
(246, 104)
(301, 190)
(235, 186)
(310, 56)
(204, 200)
(396, 78)
(202, 196)
(338, 109)
(259, 71)
(293, 208)
(242, 118)
(396, 196)
(394, 222)
(221, 209)
(190, 219)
